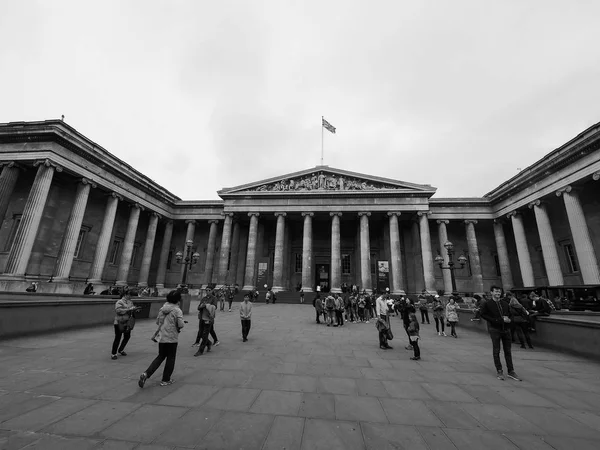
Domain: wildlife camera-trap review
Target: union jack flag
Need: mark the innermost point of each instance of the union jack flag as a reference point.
(328, 126)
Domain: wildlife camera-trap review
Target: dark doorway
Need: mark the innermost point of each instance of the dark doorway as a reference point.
(323, 277)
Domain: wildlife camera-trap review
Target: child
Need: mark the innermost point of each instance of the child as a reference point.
(413, 335)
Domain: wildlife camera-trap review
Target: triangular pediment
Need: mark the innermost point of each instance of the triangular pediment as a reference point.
(324, 179)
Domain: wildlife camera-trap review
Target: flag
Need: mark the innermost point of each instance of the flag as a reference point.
(328, 126)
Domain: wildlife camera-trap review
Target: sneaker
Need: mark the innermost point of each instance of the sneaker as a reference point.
(409, 347)
(389, 347)
(444, 334)
(439, 333)
(216, 343)
(154, 340)
(113, 356)
(142, 380)
(531, 347)
(415, 358)
(196, 344)
(500, 375)
(167, 383)
(198, 353)
(122, 353)
(208, 348)
(367, 321)
(514, 376)
(229, 309)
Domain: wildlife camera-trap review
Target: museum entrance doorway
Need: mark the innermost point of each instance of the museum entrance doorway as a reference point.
(323, 277)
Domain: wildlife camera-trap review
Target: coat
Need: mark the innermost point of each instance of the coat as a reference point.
(170, 320)
(451, 312)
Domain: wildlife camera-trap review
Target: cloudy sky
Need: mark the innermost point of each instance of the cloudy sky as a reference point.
(202, 95)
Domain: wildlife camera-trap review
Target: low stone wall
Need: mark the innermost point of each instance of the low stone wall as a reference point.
(572, 333)
(25, 314)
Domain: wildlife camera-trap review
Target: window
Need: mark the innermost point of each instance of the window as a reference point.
(571, 260)
(169, 259)
(13, 232)
(81, 242)
(134, 255)
(497, 262)
(346, 264)
(115, 251)
(298, 265)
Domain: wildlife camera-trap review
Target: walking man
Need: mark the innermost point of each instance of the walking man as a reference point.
(498, 316)
(245, 315)
(383, 323)
(208, 318)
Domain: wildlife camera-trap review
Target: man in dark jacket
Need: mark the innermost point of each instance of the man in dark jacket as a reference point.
(498, 316)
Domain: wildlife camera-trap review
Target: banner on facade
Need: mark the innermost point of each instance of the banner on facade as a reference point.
(262, 276)
(383, 275)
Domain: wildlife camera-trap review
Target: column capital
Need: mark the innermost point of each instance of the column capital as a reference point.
(115, 195)
(282, 214)
(215, 221)
(364, 213)
(155, 214)
(169, 222)
(468, 221)
(423, 213)
(394, 213)
(443, 221)
(499, 220)
(190, 221)
(250, 214)
(534, 203)
(337, 213)
(11, 164)
(47, 163)
(309, 214)
(138, 206)
(85, 181)
(566, 190)
(513, 214)
(596, 176)
(227, 214)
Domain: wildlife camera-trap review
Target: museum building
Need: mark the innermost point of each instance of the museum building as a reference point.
(73, 213)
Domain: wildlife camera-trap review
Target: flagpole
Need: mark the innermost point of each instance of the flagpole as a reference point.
(322, 117)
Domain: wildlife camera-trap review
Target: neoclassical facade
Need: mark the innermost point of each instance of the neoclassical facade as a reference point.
(72, 213)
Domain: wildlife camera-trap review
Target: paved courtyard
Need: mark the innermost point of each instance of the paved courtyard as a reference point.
(293, 385)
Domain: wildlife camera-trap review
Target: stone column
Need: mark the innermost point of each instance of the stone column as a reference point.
(249, 280)
(475, 262)
(551, 261)
(225, 249)
(128, 243)
(18, 258)
(502, 249)
(336, 253)
(307, 279)
(103, 244)
(586, 256)
(148, 249)
(426, 254)
(417, 261)
(8, 179)
(189, 236)
(161, 273)
(365, 252)
(67, 250)
(443, 238)
(396, 255)
(210, 252)
(235, 250)
(278, 259)
(522, 249)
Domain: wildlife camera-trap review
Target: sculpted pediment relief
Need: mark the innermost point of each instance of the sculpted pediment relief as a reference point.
(321, 181)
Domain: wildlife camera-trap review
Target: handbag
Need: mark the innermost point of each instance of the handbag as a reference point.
(447, 323)
(126, 323)
(389, 334)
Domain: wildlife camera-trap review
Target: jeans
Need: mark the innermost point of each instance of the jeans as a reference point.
(416, 349)
(452, 328)
(205, 341)
(361, 313)
(340, 317)
(331, 316)
(424, 316)
(201, 327)
(245, 328)
(522, 331)
(503, 336)
(318, 314)
(118, 334)
(168, 351)
(230, 302)
(383, 341)
(439, 321)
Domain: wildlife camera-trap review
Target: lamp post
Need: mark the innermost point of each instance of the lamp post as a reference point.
(462, 260)
(188, 260)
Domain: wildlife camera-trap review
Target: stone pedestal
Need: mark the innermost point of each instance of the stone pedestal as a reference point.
(365, 253)
(67, 250)
(307, 279)
(398, 286)
(476, 273)
(18, 258)
(443, 238)
(426, 254)
(148, 249)
(522, 249)
(504, 262)
(97, 268)
(249, 278)
(165, 248)
(225, 249)
(278, 257)
(551, 261)
(128, 243)
(336, 253)
(584, 248)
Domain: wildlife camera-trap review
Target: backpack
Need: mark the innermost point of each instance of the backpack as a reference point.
(269, 295)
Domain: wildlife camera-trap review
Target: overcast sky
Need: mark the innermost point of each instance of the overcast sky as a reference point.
(202, 95)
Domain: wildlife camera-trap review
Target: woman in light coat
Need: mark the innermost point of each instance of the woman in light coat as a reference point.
(452, 316)
(124, 309)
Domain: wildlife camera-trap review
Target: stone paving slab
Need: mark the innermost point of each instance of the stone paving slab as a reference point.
(293, 385)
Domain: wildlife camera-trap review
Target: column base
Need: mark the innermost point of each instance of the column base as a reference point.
(143, 284)
(278, 288)
(121, 283)
(11, 277)
(61, 280)
(95, 281)
(248, 288)
(305, 290)
(399, 292)
(160, 286)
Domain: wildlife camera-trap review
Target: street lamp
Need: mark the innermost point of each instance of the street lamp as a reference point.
(462, 259)
(188, 261)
